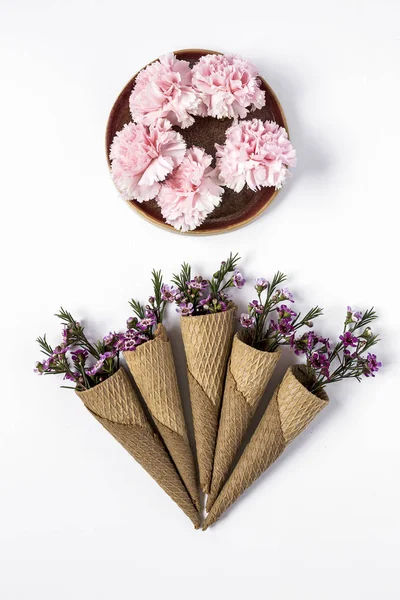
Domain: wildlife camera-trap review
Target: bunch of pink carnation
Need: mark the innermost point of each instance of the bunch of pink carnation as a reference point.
(143, 156)
(227, 86)
(255, 153)
(191, 193)
(164, 90)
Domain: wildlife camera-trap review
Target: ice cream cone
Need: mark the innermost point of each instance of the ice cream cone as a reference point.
(207, 340)
(290, 410)
(249, 371)
(153, 369)
(115, 405)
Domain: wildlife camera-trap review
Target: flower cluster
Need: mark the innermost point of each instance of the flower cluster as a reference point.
(227, 86)
(350, 357)
(81, 362)
(143, 156)
(200, 296)
(149, 160)
(191, 193)
(141, 327)
(255, 153)
(271, 298)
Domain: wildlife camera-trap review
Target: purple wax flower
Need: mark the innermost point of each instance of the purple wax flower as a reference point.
(198, 283)
(284, 312)
(320, 361)
(353, 316)
(255, 306)
(65, 334)
(185, 309)
(205, 301)
(108, 340)
(261, 283)
(168, 293)
(286, 295)
(238, 279)
(79, 355)
(107, 355)
(147, 322)
(372, 365)
(95, 369)
(283, 326)
(247, 321)
(349, 339)
(71, 376)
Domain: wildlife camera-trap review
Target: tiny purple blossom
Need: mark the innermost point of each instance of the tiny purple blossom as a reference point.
(168, 293)
(320, 361)
(80, 354)
(247, 321)
(262, 283)
(72, 376)
(147, 322)
(96, 368)
(109, 339)
(372, 365)
(353, 316)
(197, 284)
(349, 339)
(256, 307)
(286, 295)
(283, 326)
(284, 312)
(185, 309)
(107, 355)
(238, 280)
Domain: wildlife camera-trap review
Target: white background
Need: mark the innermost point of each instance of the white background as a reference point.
(78, 518)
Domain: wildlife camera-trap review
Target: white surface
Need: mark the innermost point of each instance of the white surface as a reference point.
(78, 519)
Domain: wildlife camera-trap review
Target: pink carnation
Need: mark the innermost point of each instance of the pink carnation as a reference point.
(257, 153)
(143, 156)
(227, 86)
(191, 193)
(163, 89)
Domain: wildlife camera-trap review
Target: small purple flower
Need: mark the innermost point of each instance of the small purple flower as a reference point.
(284, 312)
(168, 293)
(372, 365)
(238, 280)
(286, 295)
(222, 306)
(349, 339)
(247, 321)
(79, 355)
(255, 306)
(147, 322)
(353, 316)
(60, 350)
(205, 301)
(198, 283)
(131, 322)
(261, 283)
(107, 355)
(65, 334)
(151, 300)
(283, 326)
(95, 369)
(108, 340)
(72, 377)
(48, 364)
(185, 309)
(320, 361)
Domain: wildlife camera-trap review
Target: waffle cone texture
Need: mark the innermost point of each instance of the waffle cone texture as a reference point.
(153, 369)
(291, 408)
(248, 374)
(115, 405)
(207, 340)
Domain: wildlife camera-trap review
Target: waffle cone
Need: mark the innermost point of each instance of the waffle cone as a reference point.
(291, 409)
(207, 340)
(115, 405)
(249, 371)
(153, 369)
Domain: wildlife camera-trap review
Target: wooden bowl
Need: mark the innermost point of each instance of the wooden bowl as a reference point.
(236, 209)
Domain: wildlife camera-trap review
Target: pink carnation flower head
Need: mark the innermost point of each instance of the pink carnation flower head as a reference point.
(227, 86)
(143, 156)
(255, 153)
(164, 90)
(191, 192)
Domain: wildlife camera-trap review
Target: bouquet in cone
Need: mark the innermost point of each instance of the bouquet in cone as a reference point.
(148, 354)
(106, 391)
(299, 398)
(255, 354)
(207, 325)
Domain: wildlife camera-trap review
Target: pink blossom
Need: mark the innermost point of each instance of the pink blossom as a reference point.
(191, 193)
(255, 153)
(163, 89)
(143, 156)
(227, 86)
